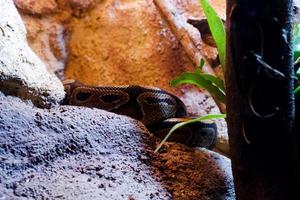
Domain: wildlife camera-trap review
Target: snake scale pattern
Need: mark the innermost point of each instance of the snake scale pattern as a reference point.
(157, 109)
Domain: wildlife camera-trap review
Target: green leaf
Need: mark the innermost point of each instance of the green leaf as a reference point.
(297, 92)
(202, 62)
(296, 41)
(214, 79)
(181, 124)
(298, 73)
(201, 80)
(217, 29)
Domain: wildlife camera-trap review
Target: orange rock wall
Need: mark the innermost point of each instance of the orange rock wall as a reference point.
(108, 42)
(127, 42)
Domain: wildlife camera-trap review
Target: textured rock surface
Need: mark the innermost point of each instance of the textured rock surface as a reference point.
(37, 7)
(144, 51)
(81, 153)
(192, 174)
(21, 72)
(139, 49)
(47, 35)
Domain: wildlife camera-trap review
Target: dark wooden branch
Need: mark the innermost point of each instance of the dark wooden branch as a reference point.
(261, 110)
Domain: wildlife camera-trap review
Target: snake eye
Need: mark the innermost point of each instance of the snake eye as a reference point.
(153, 100)
(110, 98)
(83, 96)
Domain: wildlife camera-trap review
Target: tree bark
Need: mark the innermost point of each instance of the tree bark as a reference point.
(260, 100)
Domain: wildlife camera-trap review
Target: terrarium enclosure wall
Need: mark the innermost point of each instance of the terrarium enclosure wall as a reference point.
(130, 99)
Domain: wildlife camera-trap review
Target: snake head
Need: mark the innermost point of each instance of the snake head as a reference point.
(70, 85)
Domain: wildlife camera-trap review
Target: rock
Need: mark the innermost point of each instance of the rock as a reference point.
(80, 6)
(73, 153)
(192, 174)
(139, 49)
(81, 153)
(33, 7)
(47, 37)
(22, 73)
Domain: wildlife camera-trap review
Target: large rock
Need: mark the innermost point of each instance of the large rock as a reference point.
(138, 34)
(21, 72)
(81, 153)
(128, 42)
(39, 8)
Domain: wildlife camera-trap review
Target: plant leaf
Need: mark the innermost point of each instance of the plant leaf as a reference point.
(216, 80)
(296, 41)
(200, 67)
(181, 124)
(297, 92)
(217, 29)
(201, 81)
(202, 62)
(298, 73)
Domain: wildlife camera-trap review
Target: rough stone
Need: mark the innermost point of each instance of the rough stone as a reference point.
(192, 173)
(81, 153)
(81, 4)
(40, 7)
(22, 73)
(48, 39)
(139, 46)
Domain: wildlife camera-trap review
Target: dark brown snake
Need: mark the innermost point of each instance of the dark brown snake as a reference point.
(157, 109)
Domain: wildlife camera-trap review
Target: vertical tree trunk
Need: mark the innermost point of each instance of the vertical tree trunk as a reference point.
(260, 100)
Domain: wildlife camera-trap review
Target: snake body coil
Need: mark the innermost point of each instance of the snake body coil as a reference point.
(152, 106)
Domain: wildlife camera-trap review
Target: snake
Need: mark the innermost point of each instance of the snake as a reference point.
(157, 109)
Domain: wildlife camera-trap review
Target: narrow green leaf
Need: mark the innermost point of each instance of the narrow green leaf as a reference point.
(298, 73)
(296, 41)
(216, 80)
(200, 67)
(297, 92)
(200, 81)
(181, 124)
(202, 62)
(217, 29)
